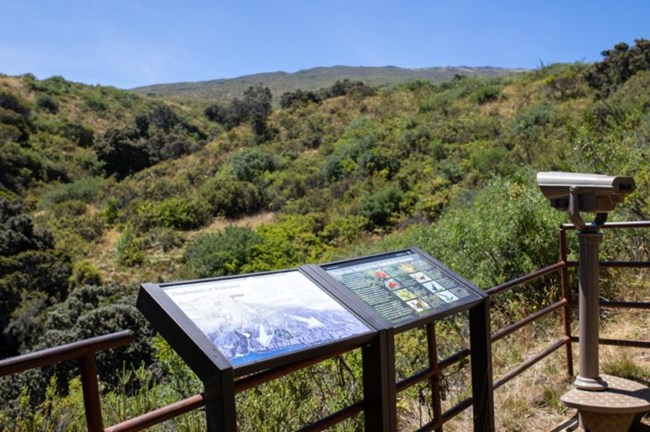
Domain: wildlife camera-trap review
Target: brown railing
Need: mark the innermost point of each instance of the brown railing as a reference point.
(85, 351)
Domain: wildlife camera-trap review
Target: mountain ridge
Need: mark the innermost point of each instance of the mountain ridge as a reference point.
(315, 78)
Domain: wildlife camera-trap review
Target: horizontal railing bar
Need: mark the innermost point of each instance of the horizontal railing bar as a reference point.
(246, 383)
(527, 278)
(625, 264)
(624, 343)
(530, 362)
(618, 342)
(447, 415)
(454, 358)
(337, 417)
(70, 351)
(618, 304)
(635, 224)
(530, 318)
(456, 409)
(430, 372)
(160, 415)
(624, 305)
(615, 264)
(416, 378)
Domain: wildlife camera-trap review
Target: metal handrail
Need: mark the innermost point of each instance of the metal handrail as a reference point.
(159, 415)
(69, 351)
(85, 352)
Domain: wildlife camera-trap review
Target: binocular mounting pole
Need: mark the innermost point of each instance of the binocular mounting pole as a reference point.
(588, 300)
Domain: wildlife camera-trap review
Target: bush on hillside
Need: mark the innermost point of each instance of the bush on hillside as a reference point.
(178, 213)
(222, 253)
(249, 164)
(47, 103)
(232, 198)
(380, 208)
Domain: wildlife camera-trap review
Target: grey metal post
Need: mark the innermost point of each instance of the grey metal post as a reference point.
(589, 309)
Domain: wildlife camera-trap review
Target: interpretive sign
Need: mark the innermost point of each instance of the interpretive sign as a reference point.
(274, 322)
(404, 286)
(256, 317)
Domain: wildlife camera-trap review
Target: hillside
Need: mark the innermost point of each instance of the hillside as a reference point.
(103, 189)
(315, 79)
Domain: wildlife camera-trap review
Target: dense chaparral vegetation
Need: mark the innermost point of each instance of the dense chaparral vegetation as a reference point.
(102, 189)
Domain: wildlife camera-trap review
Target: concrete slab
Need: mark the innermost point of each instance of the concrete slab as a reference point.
(610, 410)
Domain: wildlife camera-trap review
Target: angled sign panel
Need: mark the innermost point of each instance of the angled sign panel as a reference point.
(405, 286)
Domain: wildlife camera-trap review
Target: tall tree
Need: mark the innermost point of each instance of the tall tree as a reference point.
(258, 100)
(619, 65)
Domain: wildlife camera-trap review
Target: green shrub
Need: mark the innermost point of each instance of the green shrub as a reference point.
(122, 151)
(291, 240)
(343, 231)
(380, 207)
(508, 230)
(378, 161)
(249, 164)
(222, 253)
(20, 167)
(96, 103)
(85, 273)
(87, 190)
(47, 103)
(336, 167)
(54, 85)
(179, 213)
(130, 249)
(487, 159)
(232, 198)
(79, 134)
(486, 94)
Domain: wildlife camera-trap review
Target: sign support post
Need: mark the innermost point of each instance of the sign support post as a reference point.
(481, 358)
(378, 381)
(219, 396)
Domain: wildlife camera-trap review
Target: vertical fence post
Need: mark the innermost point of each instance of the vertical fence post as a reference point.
(435, 379)
(566, 310)
(91, 393)
(378, 388)
(481, 352)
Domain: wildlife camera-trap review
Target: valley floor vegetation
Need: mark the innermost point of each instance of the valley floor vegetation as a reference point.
(102, 189)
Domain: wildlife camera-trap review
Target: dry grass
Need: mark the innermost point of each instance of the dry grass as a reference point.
(219, 223)
(159, 265)
(531, 401)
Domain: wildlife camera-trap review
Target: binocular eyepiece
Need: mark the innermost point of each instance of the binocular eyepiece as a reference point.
(594, 192)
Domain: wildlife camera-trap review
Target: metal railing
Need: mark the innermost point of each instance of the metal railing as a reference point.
(85, 352)
(608, 304)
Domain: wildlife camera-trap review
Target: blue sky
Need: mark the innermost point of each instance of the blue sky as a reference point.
(129, 43)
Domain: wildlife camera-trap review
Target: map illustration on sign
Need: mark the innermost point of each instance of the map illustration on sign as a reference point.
(260, 316)
(401, 286)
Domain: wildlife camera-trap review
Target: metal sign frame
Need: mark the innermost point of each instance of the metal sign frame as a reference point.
(202, 355)
(474, 297)
(218, 373)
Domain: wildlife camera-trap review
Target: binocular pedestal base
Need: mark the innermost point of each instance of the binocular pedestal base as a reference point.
(610, 410)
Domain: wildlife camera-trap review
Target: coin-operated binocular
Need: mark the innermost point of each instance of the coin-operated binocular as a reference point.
(575, 192)
(590, 193)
